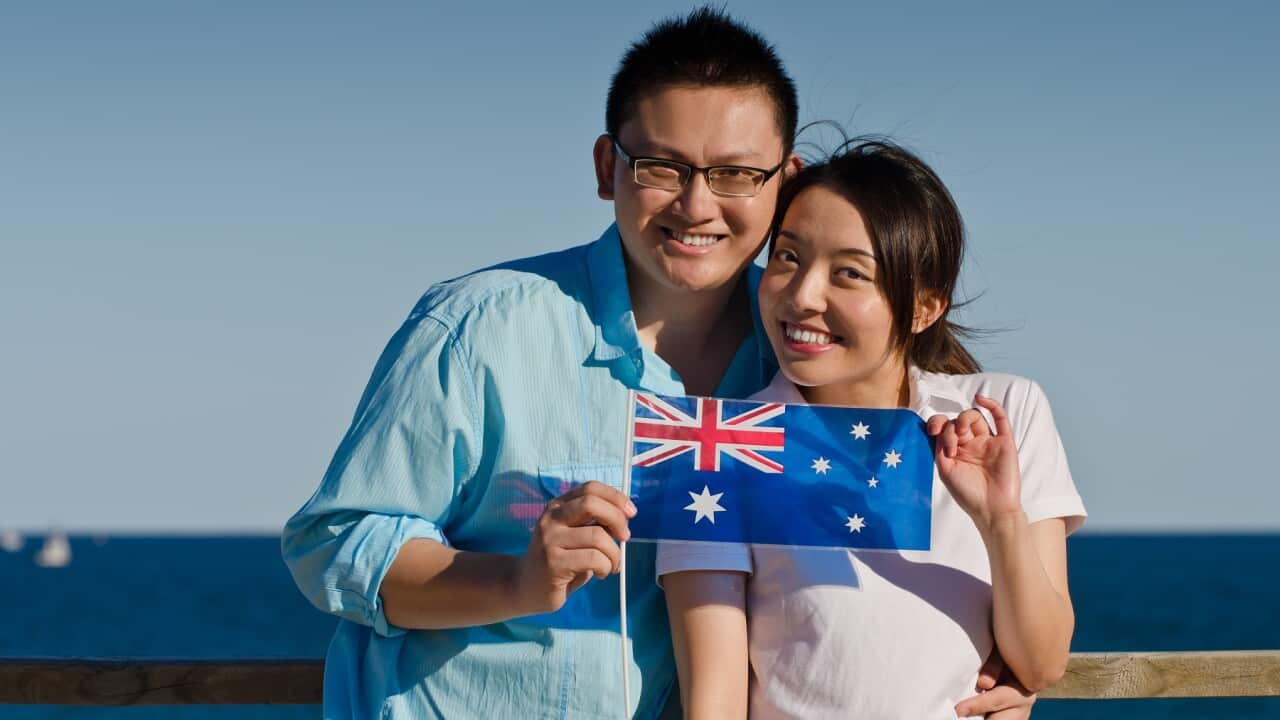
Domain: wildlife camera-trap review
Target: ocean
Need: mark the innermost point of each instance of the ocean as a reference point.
(231, 597)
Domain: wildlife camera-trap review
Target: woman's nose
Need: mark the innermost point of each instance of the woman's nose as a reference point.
(808, 292)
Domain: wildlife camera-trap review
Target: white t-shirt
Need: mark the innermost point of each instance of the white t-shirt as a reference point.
(875, 634)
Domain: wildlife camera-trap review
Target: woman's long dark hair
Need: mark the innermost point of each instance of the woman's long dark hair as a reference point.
(918, 237)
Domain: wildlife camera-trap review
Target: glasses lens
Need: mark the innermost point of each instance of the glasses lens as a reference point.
(735, 180)
(659, 174)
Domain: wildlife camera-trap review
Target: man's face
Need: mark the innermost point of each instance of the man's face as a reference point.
(692, 239)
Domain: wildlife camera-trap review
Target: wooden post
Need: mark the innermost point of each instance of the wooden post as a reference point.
(1095, 676)
(160, 682)
(1104, 676)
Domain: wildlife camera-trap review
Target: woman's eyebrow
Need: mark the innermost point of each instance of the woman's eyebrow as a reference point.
(801, 240)
(856, 251)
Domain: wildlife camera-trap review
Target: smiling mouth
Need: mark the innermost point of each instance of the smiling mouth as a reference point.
(807, 336)
(692, 239)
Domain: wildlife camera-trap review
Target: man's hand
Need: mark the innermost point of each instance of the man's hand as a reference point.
(1008, 700)
(573, 540)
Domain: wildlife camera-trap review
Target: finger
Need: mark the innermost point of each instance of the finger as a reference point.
(599, 489)
(1001, 697)
(588, 509)
(976, 425)
(971, 423)
(935, 424)
(578, 581)
(997, 413)
(989, 674)
(1022, 712)
(948, 440)
(585, 560)
(591, 537)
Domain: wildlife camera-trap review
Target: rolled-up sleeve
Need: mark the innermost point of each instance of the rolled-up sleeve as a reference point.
(412, 446)
(677, 556)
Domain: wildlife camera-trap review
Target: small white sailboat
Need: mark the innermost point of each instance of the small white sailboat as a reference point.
(56, 551)
(11, 541)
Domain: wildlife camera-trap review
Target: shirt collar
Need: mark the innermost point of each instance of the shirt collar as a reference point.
(615, 320)
(933, 393)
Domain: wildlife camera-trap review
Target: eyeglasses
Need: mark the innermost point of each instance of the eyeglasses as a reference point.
(727, 180)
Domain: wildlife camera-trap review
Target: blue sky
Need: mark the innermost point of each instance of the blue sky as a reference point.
(213, 216)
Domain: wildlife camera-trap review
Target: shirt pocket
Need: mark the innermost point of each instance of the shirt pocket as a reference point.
(594, 606)
(558, 479)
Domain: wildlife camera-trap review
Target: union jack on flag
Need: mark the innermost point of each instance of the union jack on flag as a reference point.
(705, 469)
(707, 433)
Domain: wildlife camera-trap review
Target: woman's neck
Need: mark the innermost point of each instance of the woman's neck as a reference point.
(888, 387)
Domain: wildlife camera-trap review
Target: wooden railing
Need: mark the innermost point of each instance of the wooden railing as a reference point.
(1097, 676)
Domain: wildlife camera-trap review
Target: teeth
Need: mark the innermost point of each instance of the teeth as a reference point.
(695, 240)
(809, 337)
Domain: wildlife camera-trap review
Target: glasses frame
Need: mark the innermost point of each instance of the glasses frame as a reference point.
(632, 160)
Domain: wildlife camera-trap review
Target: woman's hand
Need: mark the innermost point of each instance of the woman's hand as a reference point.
(978, 467)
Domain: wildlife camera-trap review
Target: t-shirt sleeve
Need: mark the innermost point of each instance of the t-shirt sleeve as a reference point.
(1047, 488)
(413, 443)
(677, 556)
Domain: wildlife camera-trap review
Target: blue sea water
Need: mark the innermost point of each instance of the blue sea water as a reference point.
(231, 597)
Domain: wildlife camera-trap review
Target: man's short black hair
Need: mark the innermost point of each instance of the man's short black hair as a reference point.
(706, 48)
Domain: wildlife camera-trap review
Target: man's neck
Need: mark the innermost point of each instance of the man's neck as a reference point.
(696, 333)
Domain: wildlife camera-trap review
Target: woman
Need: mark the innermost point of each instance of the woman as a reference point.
(865, 256)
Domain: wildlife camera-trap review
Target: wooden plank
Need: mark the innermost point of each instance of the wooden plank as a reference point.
(1102, 676)
(160, 682)
(1099, 676)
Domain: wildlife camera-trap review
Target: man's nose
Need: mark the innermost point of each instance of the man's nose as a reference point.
(696, 203)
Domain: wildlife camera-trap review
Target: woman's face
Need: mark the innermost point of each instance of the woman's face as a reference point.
(820, 299)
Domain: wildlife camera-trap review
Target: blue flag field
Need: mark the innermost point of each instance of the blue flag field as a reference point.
(711, 470)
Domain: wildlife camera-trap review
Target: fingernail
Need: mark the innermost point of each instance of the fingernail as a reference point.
(631, 508)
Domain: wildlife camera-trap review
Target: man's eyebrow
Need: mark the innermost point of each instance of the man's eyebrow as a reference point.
(738, 157)
(798, 238)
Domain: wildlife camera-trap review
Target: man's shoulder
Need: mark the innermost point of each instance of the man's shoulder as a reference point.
(509, 291)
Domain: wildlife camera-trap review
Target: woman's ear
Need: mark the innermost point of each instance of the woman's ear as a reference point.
(929, 307)
(792, 165)
(604, 159)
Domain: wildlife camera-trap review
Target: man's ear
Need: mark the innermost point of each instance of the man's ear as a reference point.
(605, 159)
(929, 307)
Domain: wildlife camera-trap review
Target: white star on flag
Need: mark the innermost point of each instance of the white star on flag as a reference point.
(821, 465)
(860, 431)
(892, 458)
(705, 505)
(873, 482)
(856, 523)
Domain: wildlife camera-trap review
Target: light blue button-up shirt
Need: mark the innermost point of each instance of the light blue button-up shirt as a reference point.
(503, 389)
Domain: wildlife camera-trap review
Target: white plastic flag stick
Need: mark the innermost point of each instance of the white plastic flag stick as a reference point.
(622, 560)
(622, 605)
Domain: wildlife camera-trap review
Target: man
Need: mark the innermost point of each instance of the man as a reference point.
(466, 529)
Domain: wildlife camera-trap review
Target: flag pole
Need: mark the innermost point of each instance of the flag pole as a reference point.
(622, 560)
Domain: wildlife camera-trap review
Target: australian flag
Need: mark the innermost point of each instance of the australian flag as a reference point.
(713, 470)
